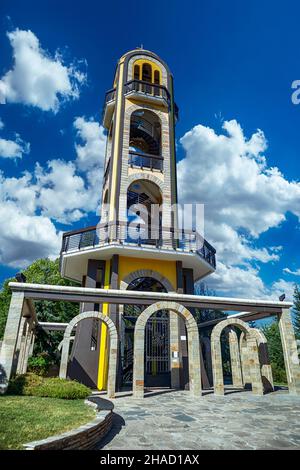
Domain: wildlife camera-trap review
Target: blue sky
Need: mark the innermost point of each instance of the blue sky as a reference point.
(232, 62)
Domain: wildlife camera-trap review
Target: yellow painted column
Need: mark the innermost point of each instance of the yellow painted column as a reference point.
(103, 357)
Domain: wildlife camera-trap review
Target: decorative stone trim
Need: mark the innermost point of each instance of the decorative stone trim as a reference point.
(146, 273)
(84, 437)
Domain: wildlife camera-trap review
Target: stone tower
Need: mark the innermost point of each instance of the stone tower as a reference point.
(137, 244)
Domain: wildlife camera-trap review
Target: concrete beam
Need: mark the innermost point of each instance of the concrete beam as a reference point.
(254, 308)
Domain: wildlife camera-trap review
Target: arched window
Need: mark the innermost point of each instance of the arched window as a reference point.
(156, 77)
(147, 73)
(136, 72)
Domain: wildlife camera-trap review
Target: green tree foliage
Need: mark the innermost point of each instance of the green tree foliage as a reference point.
(203, 315)
(272, 335)
(42, 271)
(296, 311)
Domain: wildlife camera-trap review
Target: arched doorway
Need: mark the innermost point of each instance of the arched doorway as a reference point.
(113, 347)
(157, 337)
(144, 215)
(193, 346)
(252, 355)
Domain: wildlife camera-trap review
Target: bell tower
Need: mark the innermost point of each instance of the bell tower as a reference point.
(137, 244)
(140, 116)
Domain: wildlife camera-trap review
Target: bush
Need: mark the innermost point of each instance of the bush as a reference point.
(38, 365)
(279, 374)
(36, 385)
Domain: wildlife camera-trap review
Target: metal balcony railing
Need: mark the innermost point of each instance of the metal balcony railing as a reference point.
(137, 235)
(139, 86)
(145, 160)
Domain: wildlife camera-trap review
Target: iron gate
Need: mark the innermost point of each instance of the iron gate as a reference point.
(157, 352)
(157, 346)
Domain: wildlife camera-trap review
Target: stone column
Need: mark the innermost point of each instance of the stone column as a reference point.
(64, 357)
(236, 370)
(27, 348)
(21, 344)
(11, 335)
(290, 353)
(254, 365)
(265, 366)
(174, 351)
(244, 361)
(216, 356)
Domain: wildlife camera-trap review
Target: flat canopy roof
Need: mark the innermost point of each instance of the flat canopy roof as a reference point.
(251, 309)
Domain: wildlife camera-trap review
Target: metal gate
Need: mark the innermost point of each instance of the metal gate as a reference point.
(157, 351)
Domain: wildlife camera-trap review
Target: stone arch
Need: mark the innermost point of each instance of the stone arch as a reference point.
(146, 273)
(193, 346)
(113, 336)
(252, 355)
(145, 176)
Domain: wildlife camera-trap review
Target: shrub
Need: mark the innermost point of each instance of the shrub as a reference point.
(38, 365)
(36, 385)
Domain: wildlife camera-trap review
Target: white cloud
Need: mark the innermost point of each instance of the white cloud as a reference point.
(283, 287)
(62, 191)
(1, 124)
(37, 78)
(90, 153)
(243, 198)
(13, 148)
(294, 273)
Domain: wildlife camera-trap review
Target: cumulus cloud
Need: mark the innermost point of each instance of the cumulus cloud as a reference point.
(294, 273)
(37, 78)
(13, 148)
(243, 198)
(91, 150)
(61, 191)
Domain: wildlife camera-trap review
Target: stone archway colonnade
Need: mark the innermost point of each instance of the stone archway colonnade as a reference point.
(254, 366)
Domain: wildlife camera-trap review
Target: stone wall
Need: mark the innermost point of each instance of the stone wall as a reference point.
(83, 438)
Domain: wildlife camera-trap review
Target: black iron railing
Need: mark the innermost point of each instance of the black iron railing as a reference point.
(110, 95)
(145, 160)
(136, 234)
(140, 86)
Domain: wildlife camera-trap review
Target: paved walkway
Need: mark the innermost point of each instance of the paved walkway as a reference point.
(175, 420)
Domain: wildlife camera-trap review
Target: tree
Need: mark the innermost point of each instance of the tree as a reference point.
(203, 315)
(272, 335)
(42, 271)
(296, 311)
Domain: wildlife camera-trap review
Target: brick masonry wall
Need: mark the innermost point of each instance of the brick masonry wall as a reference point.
(83, 438)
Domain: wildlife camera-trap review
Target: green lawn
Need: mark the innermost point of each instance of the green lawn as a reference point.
(24, 419)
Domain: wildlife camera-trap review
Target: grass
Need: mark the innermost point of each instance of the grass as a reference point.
(24, 419)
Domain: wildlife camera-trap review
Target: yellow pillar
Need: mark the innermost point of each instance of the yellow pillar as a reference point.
(103, 357)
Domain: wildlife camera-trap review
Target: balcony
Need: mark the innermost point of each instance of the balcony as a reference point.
(145, 161)
(131, 234)
(149, 92)
(108, 107)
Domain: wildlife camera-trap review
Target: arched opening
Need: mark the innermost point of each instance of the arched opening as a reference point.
(136, 72)
(157, 337)
(193, 346)
(144, 200)
(147, 73)
(252, 355)
(113, 347)
(156, 77)
(145, 140)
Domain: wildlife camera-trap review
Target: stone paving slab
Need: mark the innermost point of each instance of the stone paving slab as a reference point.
(177, 420)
